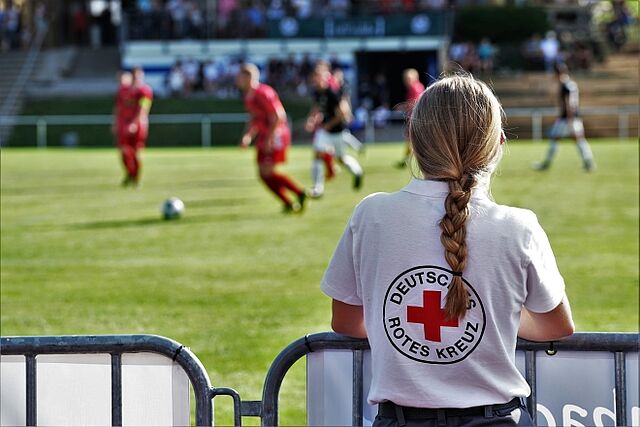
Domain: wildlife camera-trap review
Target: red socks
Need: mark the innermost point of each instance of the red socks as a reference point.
(278, 184)
(327, 158)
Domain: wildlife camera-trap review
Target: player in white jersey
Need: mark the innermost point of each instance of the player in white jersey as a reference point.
(567, 123)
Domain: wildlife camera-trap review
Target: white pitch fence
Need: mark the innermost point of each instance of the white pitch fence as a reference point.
(41, 124)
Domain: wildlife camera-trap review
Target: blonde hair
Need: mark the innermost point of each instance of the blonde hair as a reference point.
(411, 74)
(250, 70)
(455, 135)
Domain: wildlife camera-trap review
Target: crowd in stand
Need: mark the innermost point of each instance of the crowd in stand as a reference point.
(14, 34)
(473, 58)
(179, 19)
(10, 27)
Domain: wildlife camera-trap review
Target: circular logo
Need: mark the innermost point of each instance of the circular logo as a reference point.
(288, 26)
(415, 321)
(420, 24)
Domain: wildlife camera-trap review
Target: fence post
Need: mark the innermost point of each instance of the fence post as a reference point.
(536, 125)
(623, 125)
(205, 125)
(369, 130)
(41, 130)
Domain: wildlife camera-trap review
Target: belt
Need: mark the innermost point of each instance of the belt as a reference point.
(390, 409)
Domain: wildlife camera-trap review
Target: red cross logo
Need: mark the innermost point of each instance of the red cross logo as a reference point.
(430, 315)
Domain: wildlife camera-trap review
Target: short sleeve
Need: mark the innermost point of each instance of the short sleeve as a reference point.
(545, 285)
(340, 281)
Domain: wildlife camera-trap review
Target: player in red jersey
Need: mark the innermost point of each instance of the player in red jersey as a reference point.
(268, 126)
(133, 103)
(411, 80)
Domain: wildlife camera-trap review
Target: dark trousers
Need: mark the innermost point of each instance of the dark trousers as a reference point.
(399, 416)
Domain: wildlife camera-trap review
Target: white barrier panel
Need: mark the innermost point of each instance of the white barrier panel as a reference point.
(574, 388)
(13, 389)
(75, 389)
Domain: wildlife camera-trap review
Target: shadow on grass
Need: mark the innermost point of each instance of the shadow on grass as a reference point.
(218, 202)
(151, 222)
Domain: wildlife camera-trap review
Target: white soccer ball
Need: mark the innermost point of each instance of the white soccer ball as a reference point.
(172, 208)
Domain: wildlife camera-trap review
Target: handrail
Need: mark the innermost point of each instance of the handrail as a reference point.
(23, 77)
(591, 341)
(30, 346)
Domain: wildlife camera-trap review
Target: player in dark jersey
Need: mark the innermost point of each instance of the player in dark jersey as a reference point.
(568, 122)
(268, 126)
(133, 103)
(329, 117)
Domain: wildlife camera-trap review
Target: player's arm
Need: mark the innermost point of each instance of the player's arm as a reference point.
(276, 118)
(550, 326)
(249, 133)
(567, 106)
(348, 319)
(313, 119)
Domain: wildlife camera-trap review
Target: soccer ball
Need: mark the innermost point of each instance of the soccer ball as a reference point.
(172, 208)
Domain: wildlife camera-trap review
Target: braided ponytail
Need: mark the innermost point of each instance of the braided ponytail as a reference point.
(455, 132)
(453, 239)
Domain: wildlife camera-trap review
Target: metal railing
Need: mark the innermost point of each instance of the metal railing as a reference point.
(267, 409)
(116, 346)
(42, 123)
(618, 343)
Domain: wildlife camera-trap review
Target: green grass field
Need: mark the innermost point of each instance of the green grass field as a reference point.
(235, 279)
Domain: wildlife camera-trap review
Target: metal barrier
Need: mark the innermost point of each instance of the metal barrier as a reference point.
(618, 343)
(116, 346)
(268, 408)
(41, 123)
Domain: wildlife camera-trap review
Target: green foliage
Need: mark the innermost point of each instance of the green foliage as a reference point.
(235, 280)
(501, 24)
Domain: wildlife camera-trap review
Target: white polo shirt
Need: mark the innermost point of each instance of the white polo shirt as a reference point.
(391, 261)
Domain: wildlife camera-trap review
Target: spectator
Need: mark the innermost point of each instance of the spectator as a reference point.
(12, 25)
(550, 48)
(80, 23)
(4, 44)
(532, 52)
(616, 29)
(178, 13)
(211, 76)
(176, 80)
(486, 52)
(40, 17)
(195, 20)
(190, 69)
(276, 9)
(255, 19)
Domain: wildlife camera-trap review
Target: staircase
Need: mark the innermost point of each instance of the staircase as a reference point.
(614, 83)
(16, 69)
(11, 64)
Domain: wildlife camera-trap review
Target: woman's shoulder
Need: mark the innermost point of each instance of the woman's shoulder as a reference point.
(510, 216)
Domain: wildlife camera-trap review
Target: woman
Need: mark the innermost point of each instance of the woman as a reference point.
(442, 280)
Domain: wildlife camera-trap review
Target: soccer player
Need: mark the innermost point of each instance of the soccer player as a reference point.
(569, 121)
(411, 80)
(328, 118)
(268, 126)
(133, 103)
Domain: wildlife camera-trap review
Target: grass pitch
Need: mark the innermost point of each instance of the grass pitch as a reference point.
(235, 279)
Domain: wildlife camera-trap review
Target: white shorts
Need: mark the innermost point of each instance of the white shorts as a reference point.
(564, 127)
(325, 142)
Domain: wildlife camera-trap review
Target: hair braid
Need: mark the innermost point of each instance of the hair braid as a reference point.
(453, 239)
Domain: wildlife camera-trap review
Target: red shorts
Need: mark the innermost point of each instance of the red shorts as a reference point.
(278, 152)
(135, 139)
